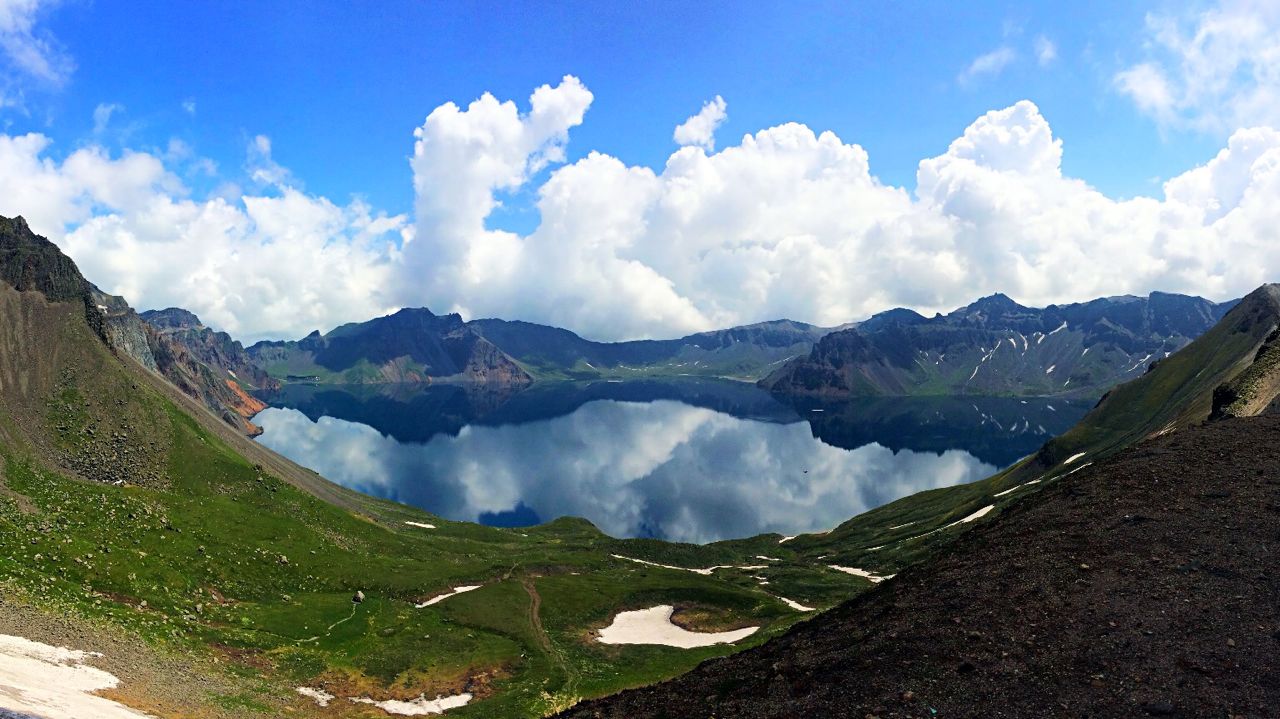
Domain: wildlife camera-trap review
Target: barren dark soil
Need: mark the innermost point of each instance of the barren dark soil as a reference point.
(1143, 586)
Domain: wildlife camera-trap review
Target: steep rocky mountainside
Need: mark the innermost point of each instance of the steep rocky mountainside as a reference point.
(1256, 390)
(215, 349)
(412, 345)
(1141, 586)
(998, 347)
(29, 262)
(200, 362)
(125, 330)
(749, 351)
(1229, 370)
(207, 365)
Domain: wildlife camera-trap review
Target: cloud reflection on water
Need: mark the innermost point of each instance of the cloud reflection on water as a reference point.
(663, 469)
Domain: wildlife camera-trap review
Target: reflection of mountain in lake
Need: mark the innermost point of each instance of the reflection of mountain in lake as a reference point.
(407, 412)
(689, 460)
(997, 430)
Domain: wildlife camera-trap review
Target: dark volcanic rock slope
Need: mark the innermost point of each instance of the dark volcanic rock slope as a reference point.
(1141, 586)
(998, 347)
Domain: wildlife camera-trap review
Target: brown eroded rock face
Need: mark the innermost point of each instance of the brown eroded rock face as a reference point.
(208, 365)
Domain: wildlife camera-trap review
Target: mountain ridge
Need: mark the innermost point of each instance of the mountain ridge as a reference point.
(410, 345)
(889, 353)
(997, 346)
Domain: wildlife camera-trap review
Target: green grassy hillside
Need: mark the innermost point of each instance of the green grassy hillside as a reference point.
(126, 506)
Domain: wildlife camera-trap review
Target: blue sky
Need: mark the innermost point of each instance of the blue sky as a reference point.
(339, 87)
(279, 167)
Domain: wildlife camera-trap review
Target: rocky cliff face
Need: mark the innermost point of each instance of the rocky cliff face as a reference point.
(1256, 390)
(29, 262)
(216, 349)
(207, 365)
(998, 347)
(126, 332)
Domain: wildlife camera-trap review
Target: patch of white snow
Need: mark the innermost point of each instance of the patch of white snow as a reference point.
(441, 597)
(874, 578)
(320, 696)
(417, 707)
(55, 682)
(654, 626)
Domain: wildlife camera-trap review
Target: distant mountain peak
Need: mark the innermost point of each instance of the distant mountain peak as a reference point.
(991, 304)
(412, 312)
(897, 315)
(172, 318)
(31, 262)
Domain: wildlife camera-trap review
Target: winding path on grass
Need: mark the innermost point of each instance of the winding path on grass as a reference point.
(543, 639)
(333, 626)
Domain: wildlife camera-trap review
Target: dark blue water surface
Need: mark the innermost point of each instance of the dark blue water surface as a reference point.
(686, 460)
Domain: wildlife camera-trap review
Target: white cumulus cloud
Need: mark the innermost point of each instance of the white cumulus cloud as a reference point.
(1214, 69)
(257, 266)
(793, 223)
(787, 222)
(700, 129)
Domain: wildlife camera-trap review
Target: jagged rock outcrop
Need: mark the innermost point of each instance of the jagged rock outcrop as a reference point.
(1256, 390)
(188, 359)
(216, 349)
(126, 332)
(29, 262)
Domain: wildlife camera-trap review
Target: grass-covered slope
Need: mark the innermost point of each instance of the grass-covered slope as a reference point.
(128, 510)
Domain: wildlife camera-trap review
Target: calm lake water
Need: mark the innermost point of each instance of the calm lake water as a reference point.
(684, 460)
